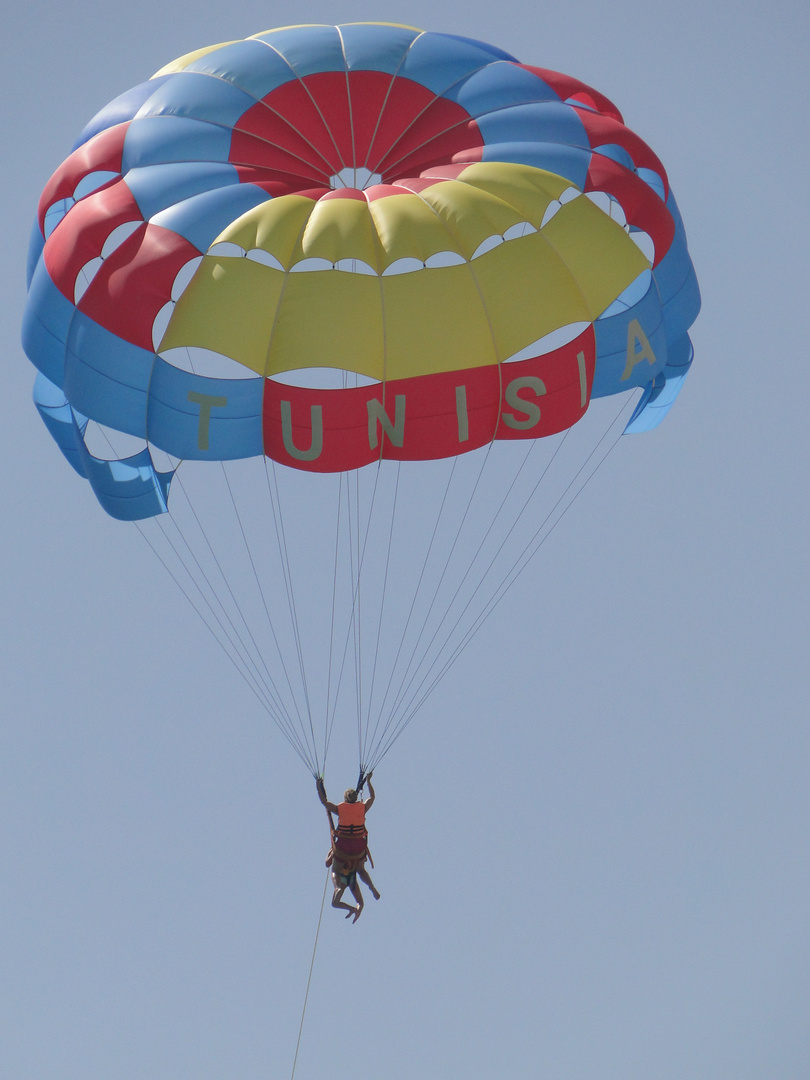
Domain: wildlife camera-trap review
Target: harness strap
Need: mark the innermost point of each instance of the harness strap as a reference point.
(353, 861)
(351, 830)
(346, 856)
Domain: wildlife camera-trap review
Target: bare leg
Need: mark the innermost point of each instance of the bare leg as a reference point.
(358, 895)
(363, 874)
(337, 896)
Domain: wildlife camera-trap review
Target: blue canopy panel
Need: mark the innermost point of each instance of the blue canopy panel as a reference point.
(107, 378)
(665, 315)
(631, 345)
(616, 153)
(660, 395)
(46, 325)
(120, 109)
(131, 489)
(570, 162)
(157, 187)
(388, 48)
(201, 218)
(502, 85)
(375, 48)
(88, 371)
(535, 123)
(199, 97)
(191, 416)
(308, 50)
(677, 282)
(36, 244)
(440, 61)
(249, 65)
(154, 140)
(61, 421)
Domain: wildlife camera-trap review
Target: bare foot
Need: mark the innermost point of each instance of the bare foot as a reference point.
(374, 892)
(358, 912)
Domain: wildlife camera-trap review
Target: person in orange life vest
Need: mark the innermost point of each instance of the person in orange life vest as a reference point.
(349, 852)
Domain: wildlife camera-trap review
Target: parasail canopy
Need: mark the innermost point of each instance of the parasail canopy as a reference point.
(327, 248)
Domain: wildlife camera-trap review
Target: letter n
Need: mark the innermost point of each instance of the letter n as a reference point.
(395, 431)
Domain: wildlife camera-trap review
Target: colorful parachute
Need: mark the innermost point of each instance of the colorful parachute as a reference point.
(331, 247)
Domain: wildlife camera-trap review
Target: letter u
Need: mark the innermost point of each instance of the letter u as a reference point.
(316, 440)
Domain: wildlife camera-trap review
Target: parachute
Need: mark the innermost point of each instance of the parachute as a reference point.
(329, 304)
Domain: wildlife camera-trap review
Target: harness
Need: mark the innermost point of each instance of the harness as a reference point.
(349, 860)
(354, 834)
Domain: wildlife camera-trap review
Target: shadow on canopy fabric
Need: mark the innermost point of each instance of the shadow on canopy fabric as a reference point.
(329, 248)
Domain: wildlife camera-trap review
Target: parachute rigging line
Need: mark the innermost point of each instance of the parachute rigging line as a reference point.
(330, 722)
(290, 737)
(532, 446)
(269, 682)
(356, 557)
(262, 592)
(382, 610)
(263, 688)
(428, 660)
(494, 600)
(355, 619)
(405, 688)
(309, 979)
(524, 559)
(244, 654)
(425, 562)
(266, 691)
(517, 568)
(251, 560)
(281, 539)
(473, 264)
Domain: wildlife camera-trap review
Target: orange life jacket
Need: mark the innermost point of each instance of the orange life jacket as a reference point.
(352, 817)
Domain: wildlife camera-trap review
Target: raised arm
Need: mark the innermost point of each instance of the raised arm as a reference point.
(332, 809)
(371, 795)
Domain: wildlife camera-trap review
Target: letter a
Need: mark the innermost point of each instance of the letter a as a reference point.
(636, 336)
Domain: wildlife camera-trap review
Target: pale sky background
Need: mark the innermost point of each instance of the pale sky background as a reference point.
(592, 844)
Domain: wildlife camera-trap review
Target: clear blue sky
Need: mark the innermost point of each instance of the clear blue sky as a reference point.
(592, 845)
